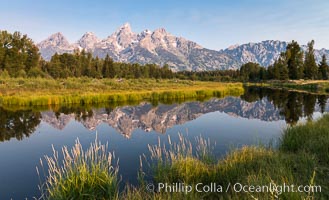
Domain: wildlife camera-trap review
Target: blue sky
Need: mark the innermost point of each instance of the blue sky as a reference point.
(212, 24)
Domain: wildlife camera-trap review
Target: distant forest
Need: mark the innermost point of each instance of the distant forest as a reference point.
(20, 57)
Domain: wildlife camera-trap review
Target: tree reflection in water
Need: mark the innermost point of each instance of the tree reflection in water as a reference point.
(18, 124)
(292, 105)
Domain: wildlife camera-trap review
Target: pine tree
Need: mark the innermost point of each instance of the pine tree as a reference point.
(283, 68)
(95, 68)
(276, 71)
(77, 70)
(311, 68)
(323, 68)
(250, 71)
(294, 56)
(106, 68)
(55, 68)
(280, 68)
(112, 70)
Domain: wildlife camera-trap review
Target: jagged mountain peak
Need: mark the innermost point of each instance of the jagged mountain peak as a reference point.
(56, 39)
(160, 33)
(56, 43)
(233, 46)
(58, 34)
(88, 40)
(143, 34)
(88, 34)
(120, 39)
(160, 30)
(126, 26)
(124, 29)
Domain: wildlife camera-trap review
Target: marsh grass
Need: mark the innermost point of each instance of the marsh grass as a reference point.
(90, 174)
(301, 158)
(43, 92)
(180, 156)
(248, 165)
(312, 137)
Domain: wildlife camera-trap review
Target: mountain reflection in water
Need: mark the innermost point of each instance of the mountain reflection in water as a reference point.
(256, 103)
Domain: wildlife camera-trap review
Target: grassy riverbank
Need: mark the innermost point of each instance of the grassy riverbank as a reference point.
(302, 158)
(41, 92)
(315, 86)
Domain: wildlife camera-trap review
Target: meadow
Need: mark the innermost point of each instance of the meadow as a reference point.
(43, 92)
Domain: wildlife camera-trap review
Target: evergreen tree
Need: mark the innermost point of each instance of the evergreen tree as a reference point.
(137, 70)
(106, 67)
(323, 68)
(166, 72)
(112, 69)
(311, 68)
(270, 72)
(263, 74)
(55, 69)
(276, 71)
(294, 56)
(283, 69)
(77, 68)
(280, 69)
(96, 68)
(250, 71)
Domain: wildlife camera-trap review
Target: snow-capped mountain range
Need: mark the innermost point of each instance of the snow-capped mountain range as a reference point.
(161, 47)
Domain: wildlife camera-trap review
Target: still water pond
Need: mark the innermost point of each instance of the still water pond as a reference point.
(258, 116)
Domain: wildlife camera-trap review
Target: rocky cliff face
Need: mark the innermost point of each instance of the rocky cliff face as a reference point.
(265, 52)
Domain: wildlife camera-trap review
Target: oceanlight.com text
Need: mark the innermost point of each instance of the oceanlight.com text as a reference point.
(236, 187)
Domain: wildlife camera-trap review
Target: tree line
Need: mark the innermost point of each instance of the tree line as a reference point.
(20, 57)
(82, 63)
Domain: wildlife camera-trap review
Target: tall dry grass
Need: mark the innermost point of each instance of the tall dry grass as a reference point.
(82, 174)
